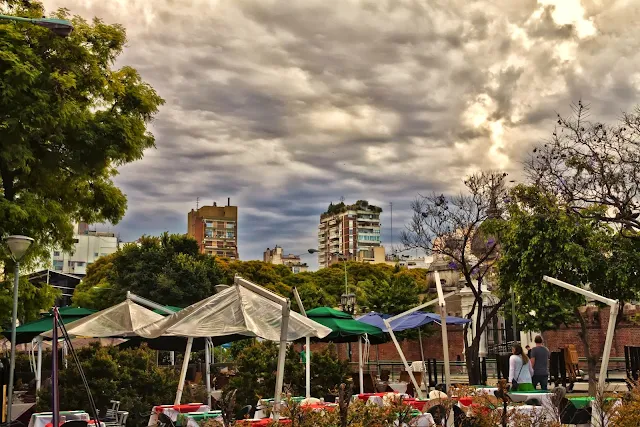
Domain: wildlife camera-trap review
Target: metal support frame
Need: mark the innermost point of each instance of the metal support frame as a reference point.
(445, 335)
(613, 316)
(284, 329)
(183, 371)
(307, 341)
(388, 321)
(39, 340)
(207, 370)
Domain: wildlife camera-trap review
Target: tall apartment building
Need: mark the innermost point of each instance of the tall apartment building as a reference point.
(215, 228)
(348, 231)
(277, 256)
(89, 245)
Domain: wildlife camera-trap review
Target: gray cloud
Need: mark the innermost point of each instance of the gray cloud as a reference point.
(285, 106)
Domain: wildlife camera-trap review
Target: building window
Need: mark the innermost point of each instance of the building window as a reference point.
(58, 264)
(95, 254)
(208, 232)
(80, 264)
(56, 253)
(76, 241)
(231, 225)
(230, 235)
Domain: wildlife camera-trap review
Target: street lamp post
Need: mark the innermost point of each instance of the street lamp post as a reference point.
(60, 27)
(18, 246)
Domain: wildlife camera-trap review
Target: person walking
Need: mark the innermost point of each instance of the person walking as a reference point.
(540, 363)
(520, 370)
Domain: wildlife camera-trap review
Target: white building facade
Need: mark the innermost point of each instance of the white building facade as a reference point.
(88, 247)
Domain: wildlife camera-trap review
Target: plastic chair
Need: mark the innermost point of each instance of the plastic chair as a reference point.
(459, 416)
(164, 420)
(245, 412)
(438, 412)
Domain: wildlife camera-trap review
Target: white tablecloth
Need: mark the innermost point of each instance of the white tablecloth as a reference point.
(523, 396)
(424, 420)
(534, 414)
(41, 419)
(193, 423)
(172, 413)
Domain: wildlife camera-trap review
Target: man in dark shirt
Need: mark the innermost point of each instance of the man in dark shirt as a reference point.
(540, 363)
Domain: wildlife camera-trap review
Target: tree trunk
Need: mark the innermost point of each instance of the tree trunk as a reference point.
(592, 361)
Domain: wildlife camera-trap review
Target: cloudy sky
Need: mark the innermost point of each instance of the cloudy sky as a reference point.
(287, 105)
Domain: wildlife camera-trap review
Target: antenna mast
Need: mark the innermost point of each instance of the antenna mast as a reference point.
(391, 207)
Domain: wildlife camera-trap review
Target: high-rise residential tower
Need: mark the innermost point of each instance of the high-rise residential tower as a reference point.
(215, 228)
(348, 232)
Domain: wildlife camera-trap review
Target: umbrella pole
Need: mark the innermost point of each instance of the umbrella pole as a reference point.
(183, 372)
(39, 366)
(424, 368)
(307, 362)
(404, 359)
(207, 370)
(286, 309)
(360, 363)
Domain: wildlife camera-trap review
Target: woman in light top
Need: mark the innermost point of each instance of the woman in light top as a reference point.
(520, 369)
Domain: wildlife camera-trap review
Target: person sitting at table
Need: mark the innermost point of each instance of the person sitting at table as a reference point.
(520, 369)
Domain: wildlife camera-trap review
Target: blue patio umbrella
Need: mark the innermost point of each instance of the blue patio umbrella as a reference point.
(413, 320)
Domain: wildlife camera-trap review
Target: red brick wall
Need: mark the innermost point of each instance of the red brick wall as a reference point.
(627, 333)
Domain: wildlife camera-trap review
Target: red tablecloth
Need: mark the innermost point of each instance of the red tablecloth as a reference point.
(263, 422)
(416, 404)
(92, 421)
(320, 406)
(188, 407)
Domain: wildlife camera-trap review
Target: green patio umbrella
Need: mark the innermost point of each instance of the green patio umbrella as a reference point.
(345, 328)
(27, 332)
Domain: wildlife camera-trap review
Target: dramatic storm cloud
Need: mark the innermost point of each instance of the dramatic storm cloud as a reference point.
(285, 106)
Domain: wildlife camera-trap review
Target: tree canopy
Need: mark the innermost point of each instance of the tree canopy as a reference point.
(543, 237)
(68, 119)
(589, 164)
(170, 270)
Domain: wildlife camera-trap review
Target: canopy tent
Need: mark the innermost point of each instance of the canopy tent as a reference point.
(347, 329)
(244, 309)
(27, 332)
(121, 320)
(344, 328)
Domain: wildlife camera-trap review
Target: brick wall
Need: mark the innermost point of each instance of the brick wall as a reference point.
(627, 333)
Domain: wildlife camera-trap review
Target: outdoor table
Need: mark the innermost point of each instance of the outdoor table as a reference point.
(418, 404)
(192, 419)
(89, 422)
(172, 411)
(41, 419)
(262, 422)
(523, 396)
(420, 420)
(262, 403)
(539, 413)
(316, 407)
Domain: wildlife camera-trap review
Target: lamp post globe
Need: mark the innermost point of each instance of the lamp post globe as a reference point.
(18, 246)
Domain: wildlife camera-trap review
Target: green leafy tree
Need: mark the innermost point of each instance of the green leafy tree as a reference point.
(256, 372)
(390, 297)
(32, 299)
(68, 119)
(542, 237)
(128, 375)
(266, 274)
(167, 269)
